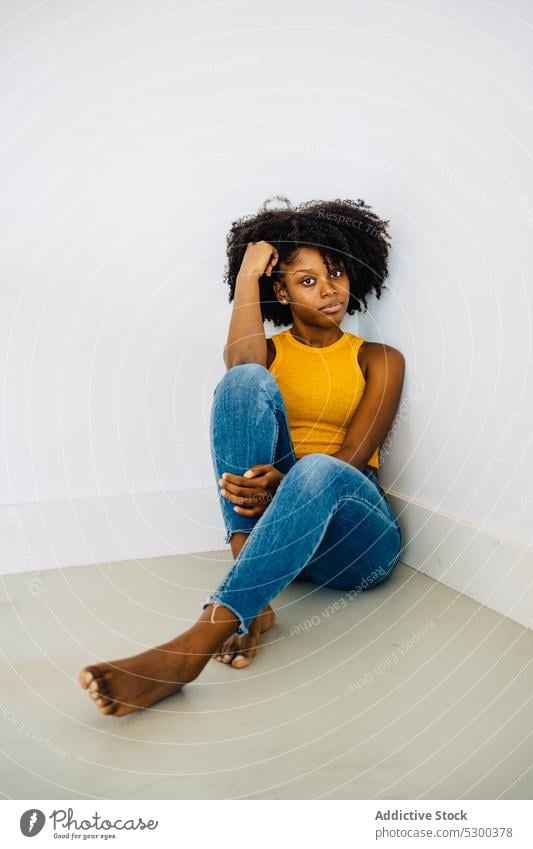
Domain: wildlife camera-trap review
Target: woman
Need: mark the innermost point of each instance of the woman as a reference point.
(296, 425)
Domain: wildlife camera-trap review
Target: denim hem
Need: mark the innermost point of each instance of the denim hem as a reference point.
(230, 533)
(242, 630)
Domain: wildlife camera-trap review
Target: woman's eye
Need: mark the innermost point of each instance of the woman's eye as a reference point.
(336, 271)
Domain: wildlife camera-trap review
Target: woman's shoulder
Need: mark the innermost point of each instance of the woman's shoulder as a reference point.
(377, 353)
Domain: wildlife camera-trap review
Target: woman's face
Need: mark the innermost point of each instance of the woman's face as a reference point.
(308, 287)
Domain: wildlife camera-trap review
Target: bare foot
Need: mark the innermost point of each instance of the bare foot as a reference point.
(119, 687)
(240, 651)
(122, 686)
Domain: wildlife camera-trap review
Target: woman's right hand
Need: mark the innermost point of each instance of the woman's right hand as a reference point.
(253, 491)
(259, 258)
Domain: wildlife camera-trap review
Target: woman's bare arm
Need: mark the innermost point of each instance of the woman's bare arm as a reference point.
(246, 336)
(246, 341)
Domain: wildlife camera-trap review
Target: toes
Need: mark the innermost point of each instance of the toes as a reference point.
(109, 708)
(88, 675)
(228, 649)
(237, 652)
(222, 658)
(99, 698)
(97, 688)
(240, 661)
(85, 678)
(246, 652)
(102, 702)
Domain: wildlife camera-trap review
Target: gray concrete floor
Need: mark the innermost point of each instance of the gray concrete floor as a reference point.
(407, 691)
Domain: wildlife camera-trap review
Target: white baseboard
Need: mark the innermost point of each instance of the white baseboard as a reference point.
(492, 570)
(495, 572)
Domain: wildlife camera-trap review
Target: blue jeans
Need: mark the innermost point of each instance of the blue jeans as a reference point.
(328, 522)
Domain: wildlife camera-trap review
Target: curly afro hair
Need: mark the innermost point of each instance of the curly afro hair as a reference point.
(344, 231)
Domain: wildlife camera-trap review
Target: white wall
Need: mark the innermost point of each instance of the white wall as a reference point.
(137, 132)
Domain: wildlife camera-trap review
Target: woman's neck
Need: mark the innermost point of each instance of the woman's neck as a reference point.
(314, 337)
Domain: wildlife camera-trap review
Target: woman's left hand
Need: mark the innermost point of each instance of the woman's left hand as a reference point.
(253, 491)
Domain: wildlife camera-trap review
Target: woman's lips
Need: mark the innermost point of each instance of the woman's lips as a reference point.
(333, 308)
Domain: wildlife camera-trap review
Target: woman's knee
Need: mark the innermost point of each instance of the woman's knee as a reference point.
(248, 375)
(317, 468)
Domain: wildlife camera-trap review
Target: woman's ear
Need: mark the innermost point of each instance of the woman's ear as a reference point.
(281, 293)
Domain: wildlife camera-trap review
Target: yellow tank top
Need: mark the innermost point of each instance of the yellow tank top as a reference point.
(321, 389)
